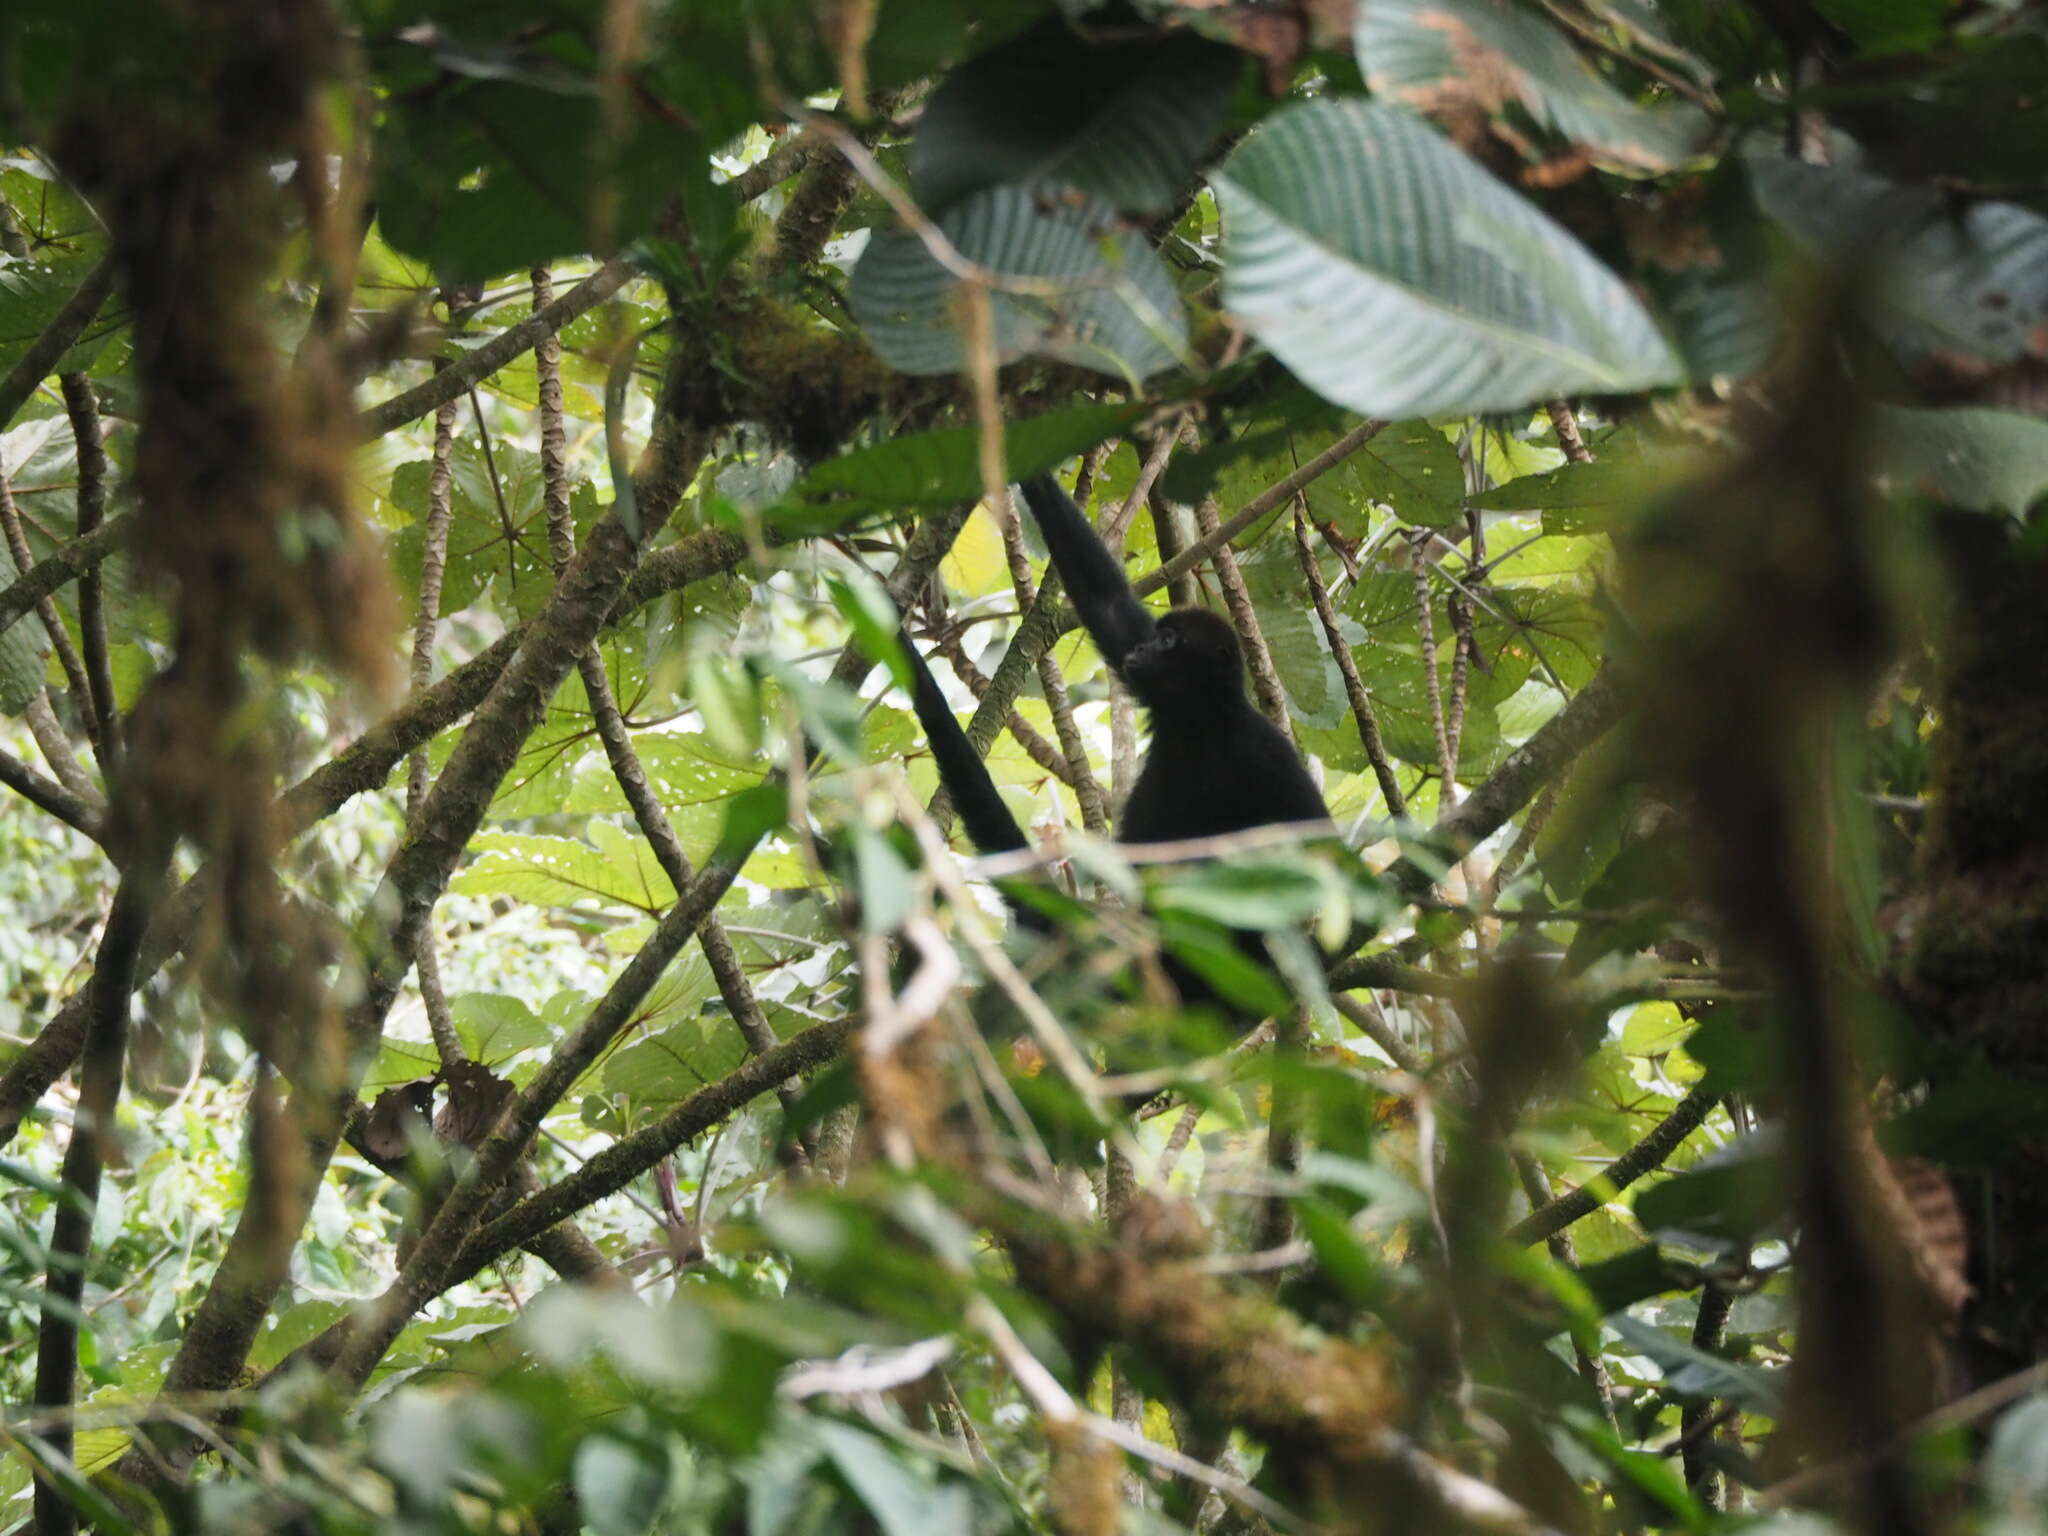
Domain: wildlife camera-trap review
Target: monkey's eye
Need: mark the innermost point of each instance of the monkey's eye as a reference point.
(1168, 639)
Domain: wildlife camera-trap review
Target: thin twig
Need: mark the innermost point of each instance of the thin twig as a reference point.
(726, 970)
(1362, 711)
(426, 623)
(82, 407)
(1244, 618)
(1446, 757)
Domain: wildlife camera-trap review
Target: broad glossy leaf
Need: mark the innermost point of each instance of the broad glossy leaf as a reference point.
(1086, 293)
(1123, 121)
(1397, 278)
(1988, 461)
(1696, 1375)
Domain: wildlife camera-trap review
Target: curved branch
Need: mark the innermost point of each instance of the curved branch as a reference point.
(58, 337)
(1644, 1157)
(47, 794)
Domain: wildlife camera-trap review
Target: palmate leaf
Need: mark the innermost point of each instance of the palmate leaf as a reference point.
(565, 871)
(1410, 48)
(1398, 279)
(1106, 301)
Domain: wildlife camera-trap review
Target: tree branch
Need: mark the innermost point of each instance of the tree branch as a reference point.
(58, 337)
(48, 795)
(481, 362)
(1644, 1157)
(82, 554)
(92, 1136)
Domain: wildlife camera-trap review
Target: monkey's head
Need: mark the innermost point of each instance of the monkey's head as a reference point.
(1192, 660)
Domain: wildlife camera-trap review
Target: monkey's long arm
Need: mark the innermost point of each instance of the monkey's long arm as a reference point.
(990, 826)
(1115, 618)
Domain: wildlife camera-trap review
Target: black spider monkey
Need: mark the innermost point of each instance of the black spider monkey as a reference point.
(1215, 765)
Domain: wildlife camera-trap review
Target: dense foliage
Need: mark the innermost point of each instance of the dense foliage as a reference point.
(576, 1079)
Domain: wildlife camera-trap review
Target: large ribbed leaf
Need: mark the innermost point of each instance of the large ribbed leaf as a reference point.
(1972, 279)
(1126, 122)
(1410, 49)
(1098, 298)
(1398, 279)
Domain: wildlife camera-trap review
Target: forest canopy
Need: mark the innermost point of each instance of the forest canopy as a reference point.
(503, 1027)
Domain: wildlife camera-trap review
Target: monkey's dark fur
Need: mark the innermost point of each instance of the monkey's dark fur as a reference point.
(1215, 765)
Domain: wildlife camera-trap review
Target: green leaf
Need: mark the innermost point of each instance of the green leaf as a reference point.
(1409, 49)
(902, 1502)
(1087, 293)
(1696, 1375)
(943, 468)
(22, 668)
(830, 715)
(1347, 1262)
(1126, 122)
(886, 886)
(32, 291)
(1208, 950)
(1738, 1193)
(620, 1487)
(496, 1027)
(1599, 494)
(489, 175)
(565, 871)
(1987, 461)
(750, 816)
(1412, 468)
(865, 605)
(727, 694)
(1398, 279)
(1244, 892)
(1633, 1275)
(1653, 1475)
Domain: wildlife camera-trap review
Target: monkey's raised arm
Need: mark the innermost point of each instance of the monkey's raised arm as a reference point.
(1116, 620)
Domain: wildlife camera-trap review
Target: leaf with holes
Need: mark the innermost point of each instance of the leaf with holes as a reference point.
(1398, 279)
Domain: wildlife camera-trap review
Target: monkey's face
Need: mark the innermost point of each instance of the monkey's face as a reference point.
(1192, 658)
